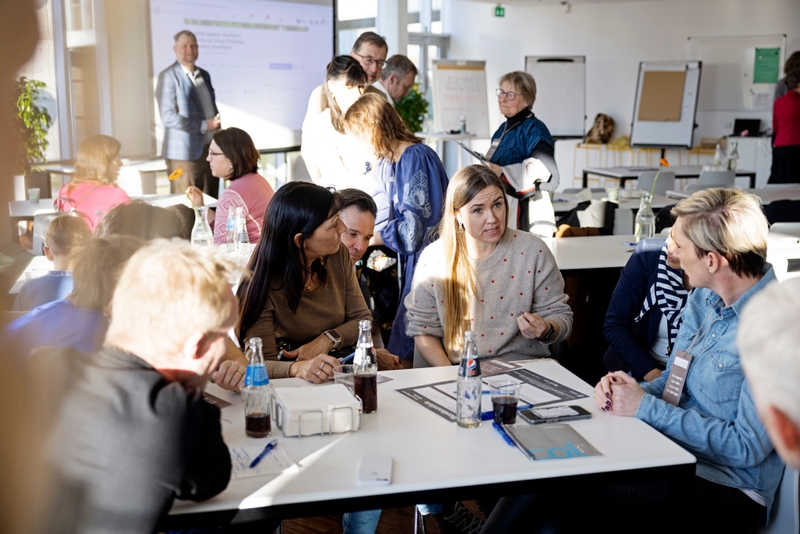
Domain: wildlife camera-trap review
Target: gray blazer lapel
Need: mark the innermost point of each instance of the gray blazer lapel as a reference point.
(186, 85)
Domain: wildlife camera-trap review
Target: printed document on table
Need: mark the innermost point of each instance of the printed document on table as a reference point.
(274, 463)
(440, 397)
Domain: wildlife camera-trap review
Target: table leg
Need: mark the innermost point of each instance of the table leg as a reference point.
(752, 180)
(585, 179)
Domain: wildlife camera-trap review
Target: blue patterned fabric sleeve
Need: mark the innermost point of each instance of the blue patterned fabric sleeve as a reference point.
(420, 182)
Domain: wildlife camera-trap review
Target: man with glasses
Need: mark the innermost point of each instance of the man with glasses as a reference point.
(370, 50)
(189, 112)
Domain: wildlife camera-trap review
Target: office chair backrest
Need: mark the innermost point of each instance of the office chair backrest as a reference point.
(717, 179)
(665, 182)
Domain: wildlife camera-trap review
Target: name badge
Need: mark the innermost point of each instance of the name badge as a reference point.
(677, 377)
(492, 149)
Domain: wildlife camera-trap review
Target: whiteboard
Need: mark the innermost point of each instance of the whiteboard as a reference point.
(459, 89)
(560, 93)
(264, 57)
(728, 64)
(671, 133)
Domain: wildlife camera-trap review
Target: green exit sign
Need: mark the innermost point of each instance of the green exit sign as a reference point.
(499, 11)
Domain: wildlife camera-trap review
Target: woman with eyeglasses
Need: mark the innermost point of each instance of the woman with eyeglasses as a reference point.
(523, 156)
(233, 156)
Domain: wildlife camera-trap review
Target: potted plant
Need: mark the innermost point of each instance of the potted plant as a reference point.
(30, 123)
(412, 108)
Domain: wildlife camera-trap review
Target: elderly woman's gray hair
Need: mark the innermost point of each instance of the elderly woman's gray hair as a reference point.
(524, 83)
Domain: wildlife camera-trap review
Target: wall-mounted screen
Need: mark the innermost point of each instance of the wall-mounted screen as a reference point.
(264, 58)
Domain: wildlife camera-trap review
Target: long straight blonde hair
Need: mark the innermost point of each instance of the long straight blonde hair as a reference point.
(460, 283)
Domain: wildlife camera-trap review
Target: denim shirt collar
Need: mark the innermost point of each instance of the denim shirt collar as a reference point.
(716, 303)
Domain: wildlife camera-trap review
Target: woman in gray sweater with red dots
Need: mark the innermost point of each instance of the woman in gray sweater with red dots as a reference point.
(480, 275)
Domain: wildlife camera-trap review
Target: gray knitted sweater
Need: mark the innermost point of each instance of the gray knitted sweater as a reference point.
(520, 275)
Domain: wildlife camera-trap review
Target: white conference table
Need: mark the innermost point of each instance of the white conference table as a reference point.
(766, 194)
(575, 253)
(25, 209)
(564, 203)
(434, 460)
(632, 173)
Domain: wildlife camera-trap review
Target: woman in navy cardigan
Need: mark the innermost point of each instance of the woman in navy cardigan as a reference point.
(643, 317)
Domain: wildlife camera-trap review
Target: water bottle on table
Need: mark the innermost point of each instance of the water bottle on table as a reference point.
(257, 393)
(365, 369)
(645, 219)
(468, 407)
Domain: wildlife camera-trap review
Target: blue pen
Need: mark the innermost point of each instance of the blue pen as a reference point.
(502, 432)
(347, 358)
(488, 416)
(271, 445)
(628, 244)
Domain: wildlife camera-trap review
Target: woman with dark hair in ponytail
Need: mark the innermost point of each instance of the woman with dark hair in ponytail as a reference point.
(302, 299)
(332, 157)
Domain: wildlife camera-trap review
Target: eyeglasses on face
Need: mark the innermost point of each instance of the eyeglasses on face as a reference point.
(510, 95)
(212, 154)
(370, 61)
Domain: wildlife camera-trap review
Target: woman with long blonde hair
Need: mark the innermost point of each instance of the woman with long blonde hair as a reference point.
(93, 189)
(481, 275)
(414, 179)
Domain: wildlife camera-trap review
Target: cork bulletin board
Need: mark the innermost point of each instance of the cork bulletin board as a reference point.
(666, 104)
(662, 96)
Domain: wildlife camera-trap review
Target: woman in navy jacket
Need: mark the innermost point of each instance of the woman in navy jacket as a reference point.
(651, 287)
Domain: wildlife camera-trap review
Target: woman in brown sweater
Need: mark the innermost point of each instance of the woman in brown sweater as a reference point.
(303, 298)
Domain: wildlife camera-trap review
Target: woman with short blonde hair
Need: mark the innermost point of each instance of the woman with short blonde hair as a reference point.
(93, 189)
(412, 176)
(480, 275)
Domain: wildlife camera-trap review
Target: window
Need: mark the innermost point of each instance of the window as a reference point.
(354, 18)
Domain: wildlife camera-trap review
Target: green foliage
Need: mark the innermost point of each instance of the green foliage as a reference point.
(31, 123)
(412, 108)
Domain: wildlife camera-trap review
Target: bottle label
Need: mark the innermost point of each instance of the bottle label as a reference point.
(256, 376)
(365, 355)
(471, 367)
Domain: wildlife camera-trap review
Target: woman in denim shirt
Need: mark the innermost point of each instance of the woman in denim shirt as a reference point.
(721, 244)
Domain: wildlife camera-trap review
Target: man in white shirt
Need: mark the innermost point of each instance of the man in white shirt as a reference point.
(397, 77)
(190, 116)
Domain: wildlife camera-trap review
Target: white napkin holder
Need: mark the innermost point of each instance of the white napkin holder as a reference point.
(307, 411)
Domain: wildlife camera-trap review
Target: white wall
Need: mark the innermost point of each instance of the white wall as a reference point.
(614, 37)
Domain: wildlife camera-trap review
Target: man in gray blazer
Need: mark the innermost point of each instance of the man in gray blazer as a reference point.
(133, 430)
(189, 112)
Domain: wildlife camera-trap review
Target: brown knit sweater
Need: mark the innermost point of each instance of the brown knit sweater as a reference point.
(338, 305)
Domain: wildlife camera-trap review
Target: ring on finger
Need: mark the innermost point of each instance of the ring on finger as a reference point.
(318, 374)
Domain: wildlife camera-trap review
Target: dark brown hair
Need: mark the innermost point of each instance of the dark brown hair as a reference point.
(371, 38)
(238, 147)
(278, 263)
(354, 76)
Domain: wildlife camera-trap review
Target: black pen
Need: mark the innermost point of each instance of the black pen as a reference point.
(271, 445)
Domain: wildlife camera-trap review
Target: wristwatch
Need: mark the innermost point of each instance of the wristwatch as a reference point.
(334, 336)
(549, 335)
